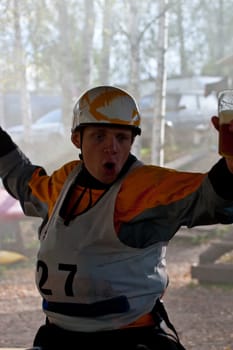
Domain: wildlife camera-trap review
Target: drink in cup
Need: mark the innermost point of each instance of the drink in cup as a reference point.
(225, 113)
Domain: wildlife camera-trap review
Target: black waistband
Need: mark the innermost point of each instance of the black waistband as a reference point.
(110, 306)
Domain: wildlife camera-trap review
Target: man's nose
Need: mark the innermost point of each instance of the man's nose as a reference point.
(110, 144)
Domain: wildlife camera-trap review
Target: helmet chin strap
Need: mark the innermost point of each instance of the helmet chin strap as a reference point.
(81, 143)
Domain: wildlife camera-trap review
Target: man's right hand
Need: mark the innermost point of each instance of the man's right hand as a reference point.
(6, 143)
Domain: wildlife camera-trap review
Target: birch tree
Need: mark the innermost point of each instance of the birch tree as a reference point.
(20, 72)
(104, 66)
(87, 44)
(136, 25)
(184, 69)
(134, 44)
(158, 129)
(65, 56)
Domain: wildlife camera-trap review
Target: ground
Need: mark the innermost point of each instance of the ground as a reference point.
(202, 314)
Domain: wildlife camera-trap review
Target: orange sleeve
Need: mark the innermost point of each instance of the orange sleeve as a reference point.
(150, 186)
(47, 188)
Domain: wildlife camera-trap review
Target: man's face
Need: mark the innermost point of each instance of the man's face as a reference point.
(104, 150)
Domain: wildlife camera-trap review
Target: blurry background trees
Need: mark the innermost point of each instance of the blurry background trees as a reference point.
(60, 48)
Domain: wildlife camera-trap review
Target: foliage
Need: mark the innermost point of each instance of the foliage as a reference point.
(41, 34)
(61, 46)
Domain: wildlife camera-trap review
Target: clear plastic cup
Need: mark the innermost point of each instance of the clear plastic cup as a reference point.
(225, 113)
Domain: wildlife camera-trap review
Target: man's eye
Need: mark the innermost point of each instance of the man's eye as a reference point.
(99, 136)
(122, 137)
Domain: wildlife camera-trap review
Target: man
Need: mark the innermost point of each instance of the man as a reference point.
(107, 219)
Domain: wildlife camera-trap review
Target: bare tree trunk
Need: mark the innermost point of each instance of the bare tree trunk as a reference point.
(65, 60)
(20, 65)
(134, 41)
(158, 129)
(183, 60)
(106, 37)
(221, 36)
(87, 41)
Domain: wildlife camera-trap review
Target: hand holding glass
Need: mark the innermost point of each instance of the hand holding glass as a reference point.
(225, 113)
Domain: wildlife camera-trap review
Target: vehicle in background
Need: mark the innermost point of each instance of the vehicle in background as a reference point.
(40, 104)
(192, 109)
(186, 114)
(48, 127)
(188, 109)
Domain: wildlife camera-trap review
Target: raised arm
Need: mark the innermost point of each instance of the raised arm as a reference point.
(16, 171)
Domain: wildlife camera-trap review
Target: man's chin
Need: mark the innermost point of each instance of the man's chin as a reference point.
(109, 177)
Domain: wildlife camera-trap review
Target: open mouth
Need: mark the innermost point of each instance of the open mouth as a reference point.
(109, 165)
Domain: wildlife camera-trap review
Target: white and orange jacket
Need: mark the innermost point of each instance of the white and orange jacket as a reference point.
(106, 267)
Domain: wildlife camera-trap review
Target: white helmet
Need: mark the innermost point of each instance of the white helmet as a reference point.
(103, 105)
